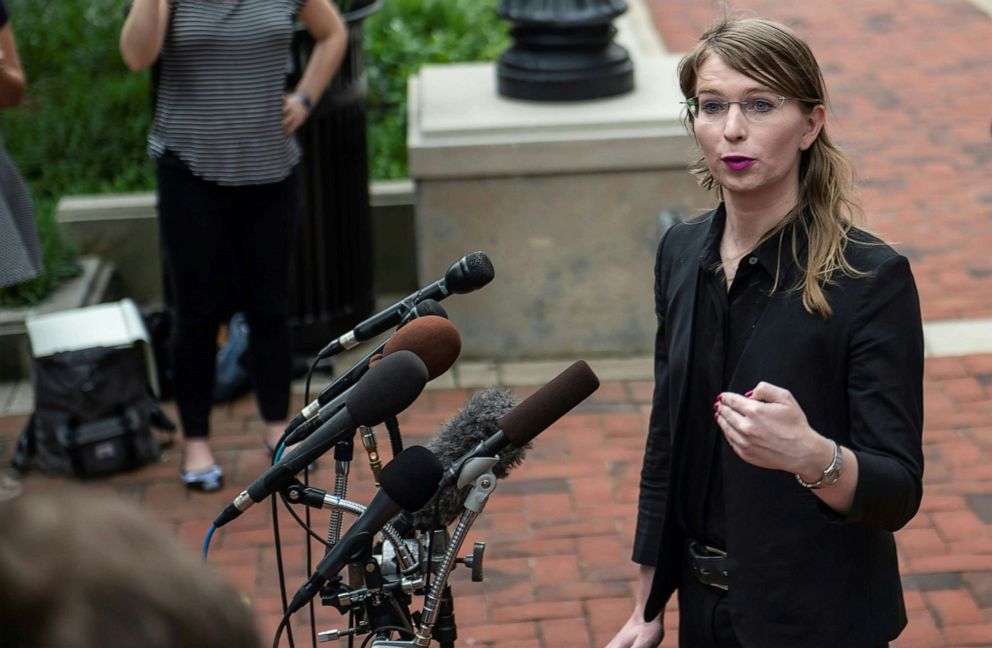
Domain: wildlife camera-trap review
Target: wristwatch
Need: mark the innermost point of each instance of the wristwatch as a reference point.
(305, 100)
(830, 474)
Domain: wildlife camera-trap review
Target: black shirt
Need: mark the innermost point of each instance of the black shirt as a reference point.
(722, 327)
(4, 15)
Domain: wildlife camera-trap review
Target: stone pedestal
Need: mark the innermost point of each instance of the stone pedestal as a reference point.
(568, 200)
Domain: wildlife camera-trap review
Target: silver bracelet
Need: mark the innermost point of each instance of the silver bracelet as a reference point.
(830, 474)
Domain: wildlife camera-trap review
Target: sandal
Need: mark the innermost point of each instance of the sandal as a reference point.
(206, 481)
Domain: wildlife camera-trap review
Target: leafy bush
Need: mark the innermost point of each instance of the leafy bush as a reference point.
(84, 122)
(399, 39)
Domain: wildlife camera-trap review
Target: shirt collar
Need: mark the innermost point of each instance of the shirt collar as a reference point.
(767, 254)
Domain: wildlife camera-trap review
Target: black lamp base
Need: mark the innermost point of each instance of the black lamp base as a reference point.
(561, 60)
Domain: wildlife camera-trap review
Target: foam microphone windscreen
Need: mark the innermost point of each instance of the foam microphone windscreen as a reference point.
(434, 339)
(473, 424)
(549, 403)
(388, 388)
(411, 478)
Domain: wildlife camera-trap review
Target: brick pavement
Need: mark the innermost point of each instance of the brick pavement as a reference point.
(559, 529)
(912, 103)
(911, 98)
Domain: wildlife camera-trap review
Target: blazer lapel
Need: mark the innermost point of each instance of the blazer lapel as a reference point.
(682, 315)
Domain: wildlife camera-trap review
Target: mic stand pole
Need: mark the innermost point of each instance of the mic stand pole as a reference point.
(445, 631)
(343, 453)
(480, 471)
(485, 483)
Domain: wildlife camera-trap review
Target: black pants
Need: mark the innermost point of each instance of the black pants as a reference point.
(704, 614)
(227, 247)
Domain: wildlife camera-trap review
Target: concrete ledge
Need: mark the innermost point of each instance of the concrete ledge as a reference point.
(957, 337)
(123, 228)
(460, 127)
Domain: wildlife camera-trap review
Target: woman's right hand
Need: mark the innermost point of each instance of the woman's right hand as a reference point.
(638, 633)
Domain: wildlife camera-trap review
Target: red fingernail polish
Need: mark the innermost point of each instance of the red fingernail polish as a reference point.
(716, 405)
(748, 393)
(719, 397)
(716, 416)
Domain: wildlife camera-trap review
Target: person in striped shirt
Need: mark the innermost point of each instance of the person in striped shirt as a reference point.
(228, 191)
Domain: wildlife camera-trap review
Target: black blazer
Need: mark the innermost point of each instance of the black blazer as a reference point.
(800, 574)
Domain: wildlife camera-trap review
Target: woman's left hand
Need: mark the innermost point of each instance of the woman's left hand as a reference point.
(294, 113)
(767, 428)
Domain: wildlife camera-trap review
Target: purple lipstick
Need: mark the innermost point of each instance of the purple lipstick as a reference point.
(738, 162)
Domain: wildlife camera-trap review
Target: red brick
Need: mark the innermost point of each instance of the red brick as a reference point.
(565, 632)
(979, 634)
(537, 611)
(954, 607)
(956, 525)
(920, 632)
(480, 634)
(965, 389)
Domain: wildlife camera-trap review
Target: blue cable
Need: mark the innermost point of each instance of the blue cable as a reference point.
(206, 541)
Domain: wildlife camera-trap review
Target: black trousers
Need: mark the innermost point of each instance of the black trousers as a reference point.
(704, 614)
(227, 247)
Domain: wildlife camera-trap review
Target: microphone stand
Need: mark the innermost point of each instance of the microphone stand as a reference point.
(480, 471)
(343, 453)
(395, 440)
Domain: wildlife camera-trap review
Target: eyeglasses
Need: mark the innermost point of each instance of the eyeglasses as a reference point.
(712, 110)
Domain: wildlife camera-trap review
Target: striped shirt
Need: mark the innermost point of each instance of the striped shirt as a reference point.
(223, 76)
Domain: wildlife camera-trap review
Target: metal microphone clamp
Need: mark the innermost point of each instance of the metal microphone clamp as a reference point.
(478, 469)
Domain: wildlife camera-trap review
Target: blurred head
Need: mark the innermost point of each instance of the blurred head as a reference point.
(89, 571)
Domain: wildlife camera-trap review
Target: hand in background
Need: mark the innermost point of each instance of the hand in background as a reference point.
(638, 633)
(294, 113)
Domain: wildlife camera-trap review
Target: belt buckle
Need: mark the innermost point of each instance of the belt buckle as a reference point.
(704, 574)
(719, 552)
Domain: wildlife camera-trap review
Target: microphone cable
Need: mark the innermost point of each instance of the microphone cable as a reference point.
(206, 541)
(277, 542)
(277, 452)
(283, 625)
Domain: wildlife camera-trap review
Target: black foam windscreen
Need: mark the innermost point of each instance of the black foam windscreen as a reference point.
(412, 477)
(388, 388)
(471, 272)
(549, 403)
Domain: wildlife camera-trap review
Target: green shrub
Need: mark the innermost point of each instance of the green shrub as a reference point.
(84, 122)
(399, 39)
(82, 126)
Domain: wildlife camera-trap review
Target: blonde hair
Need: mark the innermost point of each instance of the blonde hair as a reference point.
(828, 207)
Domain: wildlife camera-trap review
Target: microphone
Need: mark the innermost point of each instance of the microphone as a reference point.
(347, 379)
(471, 272)
(473, 424)
(433, 339)
(386, 390)
(532, 416)
(408, 481)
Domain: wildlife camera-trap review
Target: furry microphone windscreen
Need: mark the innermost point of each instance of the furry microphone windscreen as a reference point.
(472, 425)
